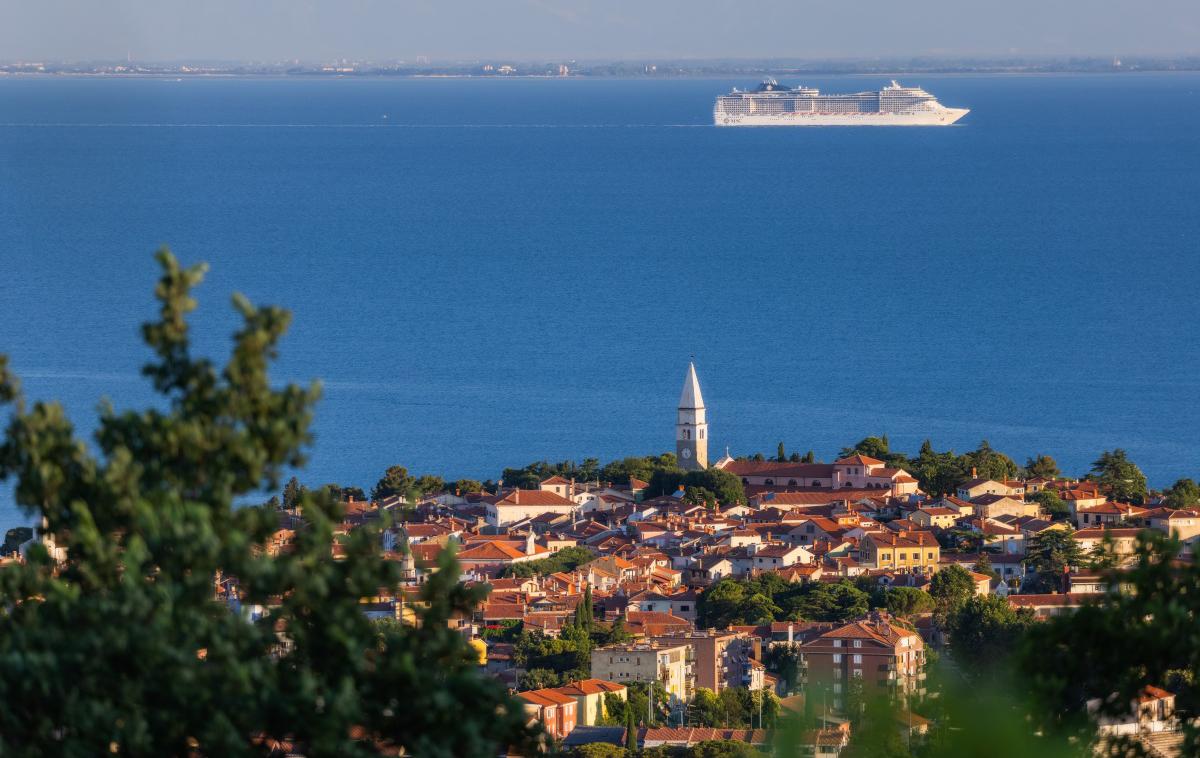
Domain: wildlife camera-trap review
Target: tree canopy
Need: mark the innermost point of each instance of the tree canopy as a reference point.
(124, 649)
(768, 598)
(1119, 477)
(1050, 553)
(950, 588)
(1042, 466)
(1185, 493)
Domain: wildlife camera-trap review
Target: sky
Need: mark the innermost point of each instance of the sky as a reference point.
(310, 30)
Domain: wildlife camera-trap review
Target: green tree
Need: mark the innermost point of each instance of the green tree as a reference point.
(1154, 628)
(950, 588)
(937, 473)
(758, 609)
(1184, 493)
(584, 613)
(631, 735)
(705, 709)
(639, 704)
(819, 601)
(723, 749)
(725, 486)
(466, 486)
(1050, 553)
(537, 679)
(989, 463)
(984, 566)
(637, 468)
(616, 633)
(344, 494)
(122, 648)
(428, 484)
(985, 629)
(567, 559)
(872, 447)
(394, 482)
(700, 496)
(784, 661)
(598, 750)
(1041, 466)
(734, 705)
(781, 454)
(292, 493)
(720, 604)
(1050, 501)
(906, 602)
(1119, 477)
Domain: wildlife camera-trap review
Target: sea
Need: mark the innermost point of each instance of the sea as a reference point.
(489, 272)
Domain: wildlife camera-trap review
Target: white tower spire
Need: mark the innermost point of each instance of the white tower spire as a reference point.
(691, 425)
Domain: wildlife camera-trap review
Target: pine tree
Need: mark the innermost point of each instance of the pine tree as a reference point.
(123, 649)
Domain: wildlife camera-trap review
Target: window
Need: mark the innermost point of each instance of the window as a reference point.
(701, 432)
(857, 660)
(685, 608)
(837, 643)
(858, 673)
(858, 643)
(791, 482)
(837, 657)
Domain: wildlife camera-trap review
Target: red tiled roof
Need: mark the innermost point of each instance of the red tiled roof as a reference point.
(532, 497)
(590, 687)
(545, 697)
(858, 460)
(491, 551)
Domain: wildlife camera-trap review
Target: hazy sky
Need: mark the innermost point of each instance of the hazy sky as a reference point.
(550, 29)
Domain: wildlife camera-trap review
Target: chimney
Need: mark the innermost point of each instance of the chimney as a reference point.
(529, 546)
(791, 633)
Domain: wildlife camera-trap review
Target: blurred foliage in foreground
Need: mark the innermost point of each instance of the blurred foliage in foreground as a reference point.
(124, 650)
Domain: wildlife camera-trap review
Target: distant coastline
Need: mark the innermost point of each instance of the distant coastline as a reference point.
(500, 69)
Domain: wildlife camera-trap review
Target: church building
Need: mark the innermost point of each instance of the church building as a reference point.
(691, 425)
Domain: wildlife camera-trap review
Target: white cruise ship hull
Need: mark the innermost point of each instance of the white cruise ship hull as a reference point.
(943, 117)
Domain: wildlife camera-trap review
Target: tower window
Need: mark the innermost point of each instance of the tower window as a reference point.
(701, 434)
(687, 434)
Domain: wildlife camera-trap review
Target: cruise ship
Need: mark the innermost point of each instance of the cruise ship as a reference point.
(775, 105)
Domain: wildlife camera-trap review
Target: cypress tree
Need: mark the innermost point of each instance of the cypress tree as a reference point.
(631, 740)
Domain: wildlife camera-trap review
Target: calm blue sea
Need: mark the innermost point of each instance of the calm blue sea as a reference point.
(485, 272)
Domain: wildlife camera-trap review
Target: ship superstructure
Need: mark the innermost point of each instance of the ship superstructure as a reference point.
(775, 105)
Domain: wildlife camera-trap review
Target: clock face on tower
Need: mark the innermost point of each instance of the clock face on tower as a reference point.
(687, 453)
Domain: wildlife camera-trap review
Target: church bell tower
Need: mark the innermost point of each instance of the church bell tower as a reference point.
(691, 425)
